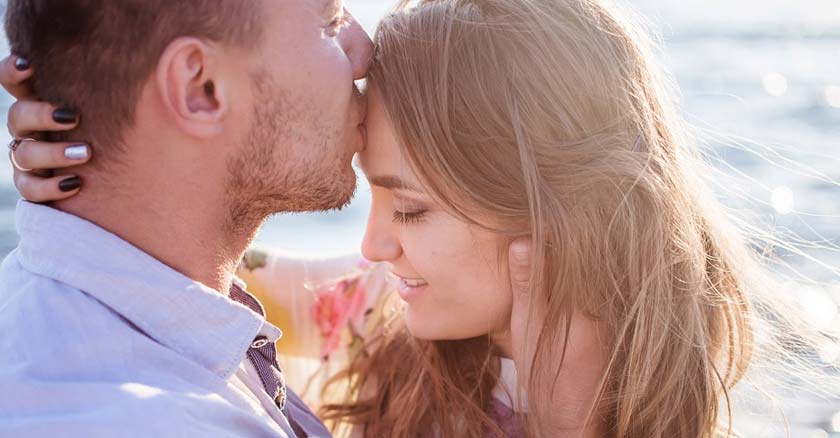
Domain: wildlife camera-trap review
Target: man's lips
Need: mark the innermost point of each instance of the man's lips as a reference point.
(362, 129)
(361, 102)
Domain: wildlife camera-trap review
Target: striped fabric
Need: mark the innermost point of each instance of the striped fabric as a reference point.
(263, 355)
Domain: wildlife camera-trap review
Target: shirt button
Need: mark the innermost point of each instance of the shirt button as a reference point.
(280, 400)
(259, 343)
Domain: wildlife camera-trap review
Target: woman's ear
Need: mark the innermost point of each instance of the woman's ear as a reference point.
(190, 90)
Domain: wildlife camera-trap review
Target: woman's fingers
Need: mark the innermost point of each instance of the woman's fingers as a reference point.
(33, 154)
(519, 268)
(37, 188)
(26, 117)
(14, 72)
(38, 185)
(519, 263)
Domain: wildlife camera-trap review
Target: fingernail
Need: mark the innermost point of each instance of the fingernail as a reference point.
(70, 184)
(76, 152)
(64, 115)
(21, 63)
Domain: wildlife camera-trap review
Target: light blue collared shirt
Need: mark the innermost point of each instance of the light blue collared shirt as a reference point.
(99, 339)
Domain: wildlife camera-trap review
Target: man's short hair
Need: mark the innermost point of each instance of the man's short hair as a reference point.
(95, 55)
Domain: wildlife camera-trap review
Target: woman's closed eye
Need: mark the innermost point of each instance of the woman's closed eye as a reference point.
(408, 210)
(408, 217)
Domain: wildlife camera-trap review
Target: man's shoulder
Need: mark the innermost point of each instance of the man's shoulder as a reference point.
(128, 409)
(51, 330)
(21, 288)
(42, 309)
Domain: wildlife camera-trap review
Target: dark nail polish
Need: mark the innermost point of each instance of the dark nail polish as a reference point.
(64, 115)
(21, 64)
(70, 184)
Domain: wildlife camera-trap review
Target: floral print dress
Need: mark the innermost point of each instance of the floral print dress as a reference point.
(326, 309)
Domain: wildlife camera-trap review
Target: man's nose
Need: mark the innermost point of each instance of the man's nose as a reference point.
(358, 47)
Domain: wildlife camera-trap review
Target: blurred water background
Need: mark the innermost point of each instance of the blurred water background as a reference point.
(760, 83)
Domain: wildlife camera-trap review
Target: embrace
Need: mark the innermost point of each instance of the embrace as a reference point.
(542, 256)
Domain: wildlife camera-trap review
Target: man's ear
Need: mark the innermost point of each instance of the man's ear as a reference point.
(187, 80)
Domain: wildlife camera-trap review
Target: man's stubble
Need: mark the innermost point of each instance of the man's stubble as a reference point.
(293, 161)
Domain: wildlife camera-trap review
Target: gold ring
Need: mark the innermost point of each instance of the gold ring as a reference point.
(13, 147)
(15, 144)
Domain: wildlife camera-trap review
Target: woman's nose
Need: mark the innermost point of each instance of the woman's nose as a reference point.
(380, 244)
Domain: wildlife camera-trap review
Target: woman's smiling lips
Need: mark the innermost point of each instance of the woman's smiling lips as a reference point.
(409, 288)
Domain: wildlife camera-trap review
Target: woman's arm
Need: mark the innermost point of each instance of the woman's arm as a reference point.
(325, 307)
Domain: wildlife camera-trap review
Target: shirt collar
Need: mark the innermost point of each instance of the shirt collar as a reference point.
(176, 311)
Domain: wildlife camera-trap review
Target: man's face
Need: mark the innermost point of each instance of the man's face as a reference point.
(308, 114)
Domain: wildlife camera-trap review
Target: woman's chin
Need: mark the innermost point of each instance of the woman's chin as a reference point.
(423, 328)
(435, 328)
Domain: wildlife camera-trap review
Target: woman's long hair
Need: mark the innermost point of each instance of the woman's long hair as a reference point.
(548, 118)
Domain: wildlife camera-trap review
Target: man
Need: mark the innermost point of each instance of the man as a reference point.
(119, 311)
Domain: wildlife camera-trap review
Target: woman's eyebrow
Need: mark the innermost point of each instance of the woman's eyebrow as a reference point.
(392, 182)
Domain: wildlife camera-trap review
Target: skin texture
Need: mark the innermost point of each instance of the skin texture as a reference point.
(465, 293)
(307, 114)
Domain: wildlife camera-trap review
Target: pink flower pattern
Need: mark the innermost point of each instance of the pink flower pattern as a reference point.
(335, 309)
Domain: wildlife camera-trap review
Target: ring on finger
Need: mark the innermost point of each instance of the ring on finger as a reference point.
(13, 147)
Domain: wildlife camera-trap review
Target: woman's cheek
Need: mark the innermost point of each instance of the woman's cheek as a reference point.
(418, 249)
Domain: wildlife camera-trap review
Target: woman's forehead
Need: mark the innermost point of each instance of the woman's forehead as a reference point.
(382, 152)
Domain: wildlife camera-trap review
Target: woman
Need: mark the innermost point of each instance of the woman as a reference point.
(492, 120)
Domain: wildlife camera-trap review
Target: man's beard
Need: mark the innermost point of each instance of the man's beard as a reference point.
(270, 175)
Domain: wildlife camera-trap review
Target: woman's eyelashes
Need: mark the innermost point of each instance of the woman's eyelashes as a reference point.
(408, 210)
(408, 217)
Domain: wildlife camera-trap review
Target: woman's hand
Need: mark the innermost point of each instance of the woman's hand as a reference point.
(578, 383)
(27, 117)
(519, 264)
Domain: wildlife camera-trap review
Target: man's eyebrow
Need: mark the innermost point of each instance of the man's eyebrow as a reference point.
(392, 182)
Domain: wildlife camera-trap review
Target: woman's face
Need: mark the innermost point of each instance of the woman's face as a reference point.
(448, 272)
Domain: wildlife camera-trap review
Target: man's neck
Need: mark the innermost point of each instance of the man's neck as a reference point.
(182, 222)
